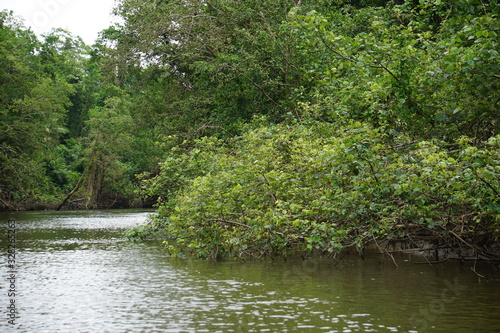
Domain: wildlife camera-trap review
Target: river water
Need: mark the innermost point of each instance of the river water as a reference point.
(75, 272)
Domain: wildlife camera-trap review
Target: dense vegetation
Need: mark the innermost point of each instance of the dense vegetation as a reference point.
(265, 127)
(64, 126)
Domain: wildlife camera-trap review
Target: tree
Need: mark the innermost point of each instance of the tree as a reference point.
(65, 57)
(428, 69)
(32, 114)
(234, 59)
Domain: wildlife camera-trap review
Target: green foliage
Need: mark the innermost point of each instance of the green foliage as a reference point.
(226, 60)
(371, 120)
(320, 187)
(429, 70)
(377, 111)
(32, 115)
(42, 104)
(64, 165)
(63, 127)
(181, 166)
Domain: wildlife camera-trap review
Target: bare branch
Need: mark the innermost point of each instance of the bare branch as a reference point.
(229, 222)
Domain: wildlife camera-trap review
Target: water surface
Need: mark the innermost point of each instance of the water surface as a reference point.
(77, 273)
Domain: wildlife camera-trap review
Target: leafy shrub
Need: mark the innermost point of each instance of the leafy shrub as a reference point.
(321, 187)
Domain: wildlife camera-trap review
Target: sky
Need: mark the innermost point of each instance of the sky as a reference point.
(84, 18)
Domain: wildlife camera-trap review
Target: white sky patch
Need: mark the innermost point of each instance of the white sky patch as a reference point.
(84, 18)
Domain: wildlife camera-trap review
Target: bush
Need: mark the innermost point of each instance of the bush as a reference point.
(321, 187)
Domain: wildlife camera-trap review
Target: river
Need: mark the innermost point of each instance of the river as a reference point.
(75, 272)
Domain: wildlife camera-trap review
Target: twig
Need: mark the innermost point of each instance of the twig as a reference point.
(205, 126)
(409, 250)
(371, 169)
(269, 185)
(385, 252)
(487, 184)
(379, 66)
(431, 262)
(258, 87)
(486, 74)
(229, 222)
(402, 145)
(474, 270)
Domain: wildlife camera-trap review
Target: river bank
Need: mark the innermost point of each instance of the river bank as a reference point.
(426, 245)
(76, 204)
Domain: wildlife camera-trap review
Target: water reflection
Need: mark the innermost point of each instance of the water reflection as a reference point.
(78, 274)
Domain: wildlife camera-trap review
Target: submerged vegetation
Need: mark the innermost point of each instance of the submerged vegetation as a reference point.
(265, 127)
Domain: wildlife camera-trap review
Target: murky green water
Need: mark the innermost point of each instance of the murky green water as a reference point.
(74, 272)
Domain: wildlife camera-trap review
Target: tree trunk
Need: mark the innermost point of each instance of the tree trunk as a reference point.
(71, 193)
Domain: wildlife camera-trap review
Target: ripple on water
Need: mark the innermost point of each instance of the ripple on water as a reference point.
(78, 274)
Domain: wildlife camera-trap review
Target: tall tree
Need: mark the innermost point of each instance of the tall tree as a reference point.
(233, 58)
(32, 113)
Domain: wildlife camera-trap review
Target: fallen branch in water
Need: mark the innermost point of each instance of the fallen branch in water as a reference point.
(473, 247)
(6, 204)
(386, 252)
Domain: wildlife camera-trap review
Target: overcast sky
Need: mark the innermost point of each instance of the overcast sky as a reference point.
(84, 18)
